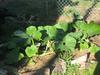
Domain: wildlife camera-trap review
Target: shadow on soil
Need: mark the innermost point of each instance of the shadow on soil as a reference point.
(97, 69)
(47, 68)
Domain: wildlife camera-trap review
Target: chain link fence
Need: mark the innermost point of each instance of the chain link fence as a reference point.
(50, 10)
(86, 9)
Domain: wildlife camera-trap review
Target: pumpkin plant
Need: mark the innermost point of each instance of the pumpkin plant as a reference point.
(57, 38)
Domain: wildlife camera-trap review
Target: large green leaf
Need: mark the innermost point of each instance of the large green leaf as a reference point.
(89, 29)
(51, 31)
(37, 35)
(31, 51)
(68, 43)
(63, 26)
(31, 30)
(40, 28)
(93, 29)
(76, 35)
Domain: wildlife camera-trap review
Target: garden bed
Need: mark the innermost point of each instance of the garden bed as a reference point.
(50, 42)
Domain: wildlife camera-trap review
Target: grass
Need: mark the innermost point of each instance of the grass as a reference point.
(89, 71)
(92, 70)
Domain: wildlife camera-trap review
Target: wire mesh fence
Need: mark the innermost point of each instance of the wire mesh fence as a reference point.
(84, 8)
(47, 10)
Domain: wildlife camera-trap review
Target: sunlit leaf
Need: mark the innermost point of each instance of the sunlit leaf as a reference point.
(68, 43)
(51, 31)
(76, 35)
(89, 29)
(37, 35)
(40, 28)
(31, 30)
(21, 55)
(84, 45)
(63, 26)
(31, 51)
